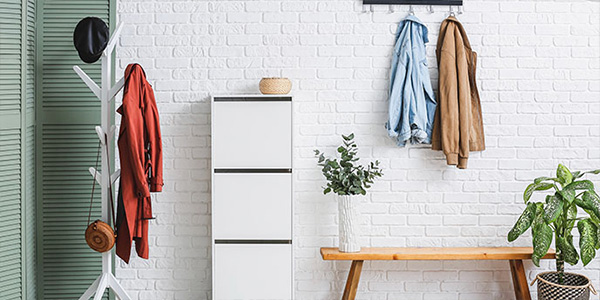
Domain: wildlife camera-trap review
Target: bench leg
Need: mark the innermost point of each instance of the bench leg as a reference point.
(353, 278)
(519, 279)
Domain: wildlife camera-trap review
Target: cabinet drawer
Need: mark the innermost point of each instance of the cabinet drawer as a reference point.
(253, 134)
(252, 206)
(253, 272)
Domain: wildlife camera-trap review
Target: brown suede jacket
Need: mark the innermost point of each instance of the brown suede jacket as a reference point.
(458, 127)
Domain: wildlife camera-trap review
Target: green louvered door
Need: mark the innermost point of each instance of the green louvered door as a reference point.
(67, 112)
(17, 150)
(29, 149)
(10, 150)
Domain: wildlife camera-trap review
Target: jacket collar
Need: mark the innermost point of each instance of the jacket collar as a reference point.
(461, 28)
(414, 19)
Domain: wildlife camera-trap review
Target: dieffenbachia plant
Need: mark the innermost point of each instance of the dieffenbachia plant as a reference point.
(558, 215)
(345, 176)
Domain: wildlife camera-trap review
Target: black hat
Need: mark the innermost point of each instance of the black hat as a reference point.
(90, 38)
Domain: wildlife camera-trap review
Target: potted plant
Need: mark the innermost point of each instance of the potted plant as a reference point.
(348, 179)
(556, 217)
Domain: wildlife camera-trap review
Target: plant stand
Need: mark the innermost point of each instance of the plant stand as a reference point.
(105, 93)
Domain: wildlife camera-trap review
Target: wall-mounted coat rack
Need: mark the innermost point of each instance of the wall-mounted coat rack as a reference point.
(413, 2)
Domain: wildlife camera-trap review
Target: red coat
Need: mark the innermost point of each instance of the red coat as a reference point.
(140, 151)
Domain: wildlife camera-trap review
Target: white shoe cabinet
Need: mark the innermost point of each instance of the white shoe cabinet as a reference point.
(252, 197)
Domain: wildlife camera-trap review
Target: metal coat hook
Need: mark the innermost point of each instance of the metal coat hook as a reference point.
(460, 10)
(364, 9)
(391, 9)
(411, 11)
(451, 11)
(430, 9)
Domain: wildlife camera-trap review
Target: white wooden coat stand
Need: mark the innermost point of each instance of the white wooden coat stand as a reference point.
(105, 131)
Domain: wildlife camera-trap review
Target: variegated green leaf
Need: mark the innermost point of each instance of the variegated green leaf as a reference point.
(568, 250)
(539, 216)
(588, 239)
(564, 175)
(591, 201)
(571, 216)
(567, 194)
(553, 209)
(598, 237)
(541, 186)
(523, 223)
(542, 238)
(581, 185)
(580, 174)
(540, 179)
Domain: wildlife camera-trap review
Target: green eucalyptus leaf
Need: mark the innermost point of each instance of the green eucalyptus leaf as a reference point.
(568, 250)
(542, 238)
(553, 209)
(523, 223)
(564, 175)
(588, 239)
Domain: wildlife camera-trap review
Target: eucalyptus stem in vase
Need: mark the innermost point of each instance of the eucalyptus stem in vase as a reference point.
(348, 179)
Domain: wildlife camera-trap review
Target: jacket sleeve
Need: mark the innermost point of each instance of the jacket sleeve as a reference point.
(448, 115)
(464, 101)
(154, 140)
(134, 135)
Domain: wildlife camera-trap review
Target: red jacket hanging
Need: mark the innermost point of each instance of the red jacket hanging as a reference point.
(140, 151)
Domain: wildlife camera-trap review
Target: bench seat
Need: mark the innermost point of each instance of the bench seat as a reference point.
(514, 255)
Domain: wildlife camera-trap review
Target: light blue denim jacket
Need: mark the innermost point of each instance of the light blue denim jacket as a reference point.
(411, 99)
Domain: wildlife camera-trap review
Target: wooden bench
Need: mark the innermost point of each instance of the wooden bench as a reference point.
(515, 257)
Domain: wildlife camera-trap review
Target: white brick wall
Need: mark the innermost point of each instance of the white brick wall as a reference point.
(539, 78)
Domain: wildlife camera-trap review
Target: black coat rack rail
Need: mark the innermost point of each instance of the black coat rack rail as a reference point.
(413, 2)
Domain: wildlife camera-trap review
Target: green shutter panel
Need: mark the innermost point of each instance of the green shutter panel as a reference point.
(67, 112)
(30, 255)
(10, 149)
(10, 213)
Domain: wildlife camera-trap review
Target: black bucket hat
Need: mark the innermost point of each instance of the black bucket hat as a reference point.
(90, 38)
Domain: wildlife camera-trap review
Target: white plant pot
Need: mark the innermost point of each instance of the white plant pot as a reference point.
(348, 223)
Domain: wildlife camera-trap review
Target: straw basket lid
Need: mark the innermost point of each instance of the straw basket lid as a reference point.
(275, 86)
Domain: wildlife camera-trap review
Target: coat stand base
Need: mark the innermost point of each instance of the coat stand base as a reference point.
(103, 282)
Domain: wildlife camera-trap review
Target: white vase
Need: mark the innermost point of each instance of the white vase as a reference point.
(348, 223)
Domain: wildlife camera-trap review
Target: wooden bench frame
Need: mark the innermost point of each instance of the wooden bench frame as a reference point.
(514, 255)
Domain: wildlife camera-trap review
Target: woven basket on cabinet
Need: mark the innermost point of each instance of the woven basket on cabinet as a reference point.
(275, 86)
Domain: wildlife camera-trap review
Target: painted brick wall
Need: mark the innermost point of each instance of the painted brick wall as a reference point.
(539, 78)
